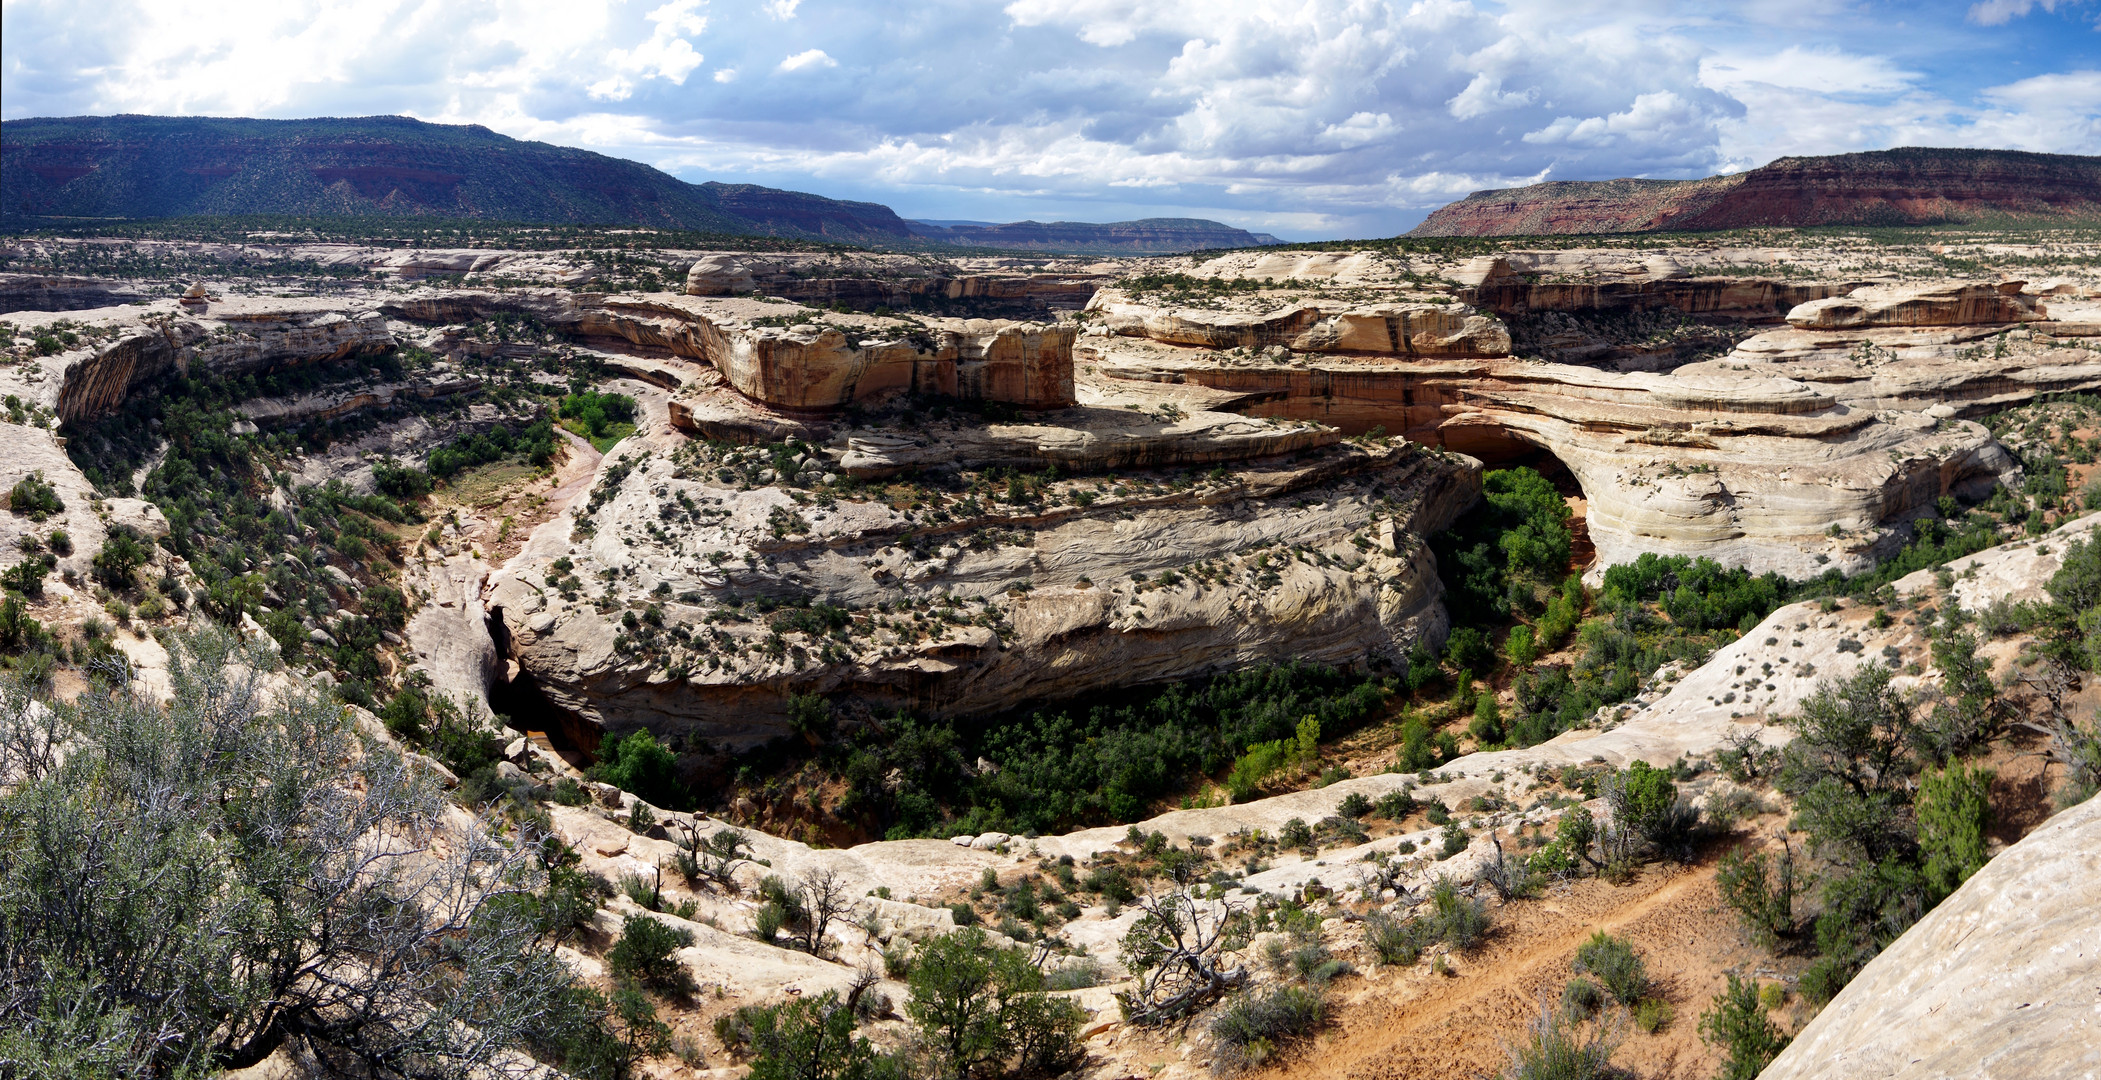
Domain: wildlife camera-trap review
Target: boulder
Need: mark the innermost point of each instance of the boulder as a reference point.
(718, 275)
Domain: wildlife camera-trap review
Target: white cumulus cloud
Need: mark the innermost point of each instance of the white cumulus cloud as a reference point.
(1352, 116)
(808, 58)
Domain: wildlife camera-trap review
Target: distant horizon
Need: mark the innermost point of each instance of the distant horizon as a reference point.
(1312, 120)
(981, 223)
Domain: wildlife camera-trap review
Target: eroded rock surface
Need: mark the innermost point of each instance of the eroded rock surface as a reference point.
(831, 361)
(1806, 446)
(1099, 581)
(2000, 980)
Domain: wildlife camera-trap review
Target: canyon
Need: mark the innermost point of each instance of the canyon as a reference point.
(947, 488)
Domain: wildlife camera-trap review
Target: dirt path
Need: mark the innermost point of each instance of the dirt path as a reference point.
(1418, 1025)
(575, 473)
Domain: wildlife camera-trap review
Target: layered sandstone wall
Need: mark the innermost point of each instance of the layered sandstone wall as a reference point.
(1054, 602)
(1531, 282)
(1402, 329)
(1957, 304)
(135, 347)
(1807, 448)
(820, 365)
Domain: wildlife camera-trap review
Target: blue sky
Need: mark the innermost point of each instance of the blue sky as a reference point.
(1308, 119)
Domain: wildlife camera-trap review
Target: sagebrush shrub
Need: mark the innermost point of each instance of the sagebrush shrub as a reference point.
(1250, 1027)
(1616, 965)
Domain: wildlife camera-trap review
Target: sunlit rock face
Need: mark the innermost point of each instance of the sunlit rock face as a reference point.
(1835, 417)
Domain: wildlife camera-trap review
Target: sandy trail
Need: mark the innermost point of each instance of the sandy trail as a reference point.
(1418, 1025)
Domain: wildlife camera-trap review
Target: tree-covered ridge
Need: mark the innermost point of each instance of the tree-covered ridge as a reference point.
(143, 167)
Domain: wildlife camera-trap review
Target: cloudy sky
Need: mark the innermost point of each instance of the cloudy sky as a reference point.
(1308, 118)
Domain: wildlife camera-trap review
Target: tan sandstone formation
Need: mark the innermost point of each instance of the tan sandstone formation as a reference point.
(1519, 283)
(828, 361)
(1804, 449)
(1319, 558)
(136, 346)
(1430, 330)
(2001, 980)
(1961, 304)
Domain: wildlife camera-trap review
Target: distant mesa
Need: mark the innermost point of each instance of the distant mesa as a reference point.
(1146, 236)
(1907, 186)
(55, 171)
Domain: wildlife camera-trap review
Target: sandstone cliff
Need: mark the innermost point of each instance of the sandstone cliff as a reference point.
(831, 361)
(1804, 448)
(1318, 558)
(135, 346)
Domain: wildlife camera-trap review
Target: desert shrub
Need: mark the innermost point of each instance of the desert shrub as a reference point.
(1581, 999)
(1736, 1024)
(1458, 920)
(1967, 711)
(1645, 801)
(1852, 772)
(766, 922)
(1557, 1046)
(1654, 1015)
(1555, 859)
(644, 891)
(33, 497)
(1295, 833)
(194, 882)
(1616, 965)
(809, 1038)
(1394, 805)
(1761, 893)
(1419, 749)
(978, 1005)
(644, 953)
(1954, 811)
(1303, 957)
(400, 481)
(1487, 725)
(1848, 768)
(124, 550)
(1520, 646)
(1251, 1027)
(1353, 806)
(1078, 975)
(1395, 942)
